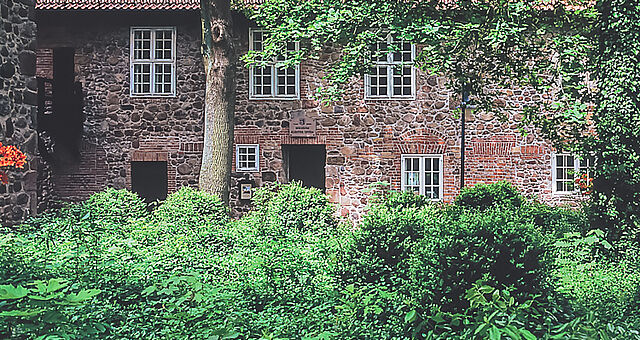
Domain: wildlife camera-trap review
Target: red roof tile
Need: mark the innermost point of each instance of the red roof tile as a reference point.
(195, 4)
(124, 4)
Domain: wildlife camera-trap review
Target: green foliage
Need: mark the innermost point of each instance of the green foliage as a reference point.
(46, 311)
(291, 269)
(461, 247)
(291, 208)
(607, 289)
(474, 44)
(616, 149)
(188, 207)
(114, 207)
(483, 196)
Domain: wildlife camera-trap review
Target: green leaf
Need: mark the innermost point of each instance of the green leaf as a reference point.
(494, 333)
(9, 292)
(486, 289)
(411, 316)
(149, 290)
(82, 295)
(512, 332)
(22, 312)
(527, 335)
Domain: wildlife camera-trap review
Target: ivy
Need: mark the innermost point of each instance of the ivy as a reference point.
(481, 46)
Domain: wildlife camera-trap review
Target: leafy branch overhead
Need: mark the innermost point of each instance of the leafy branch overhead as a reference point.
(486, 46)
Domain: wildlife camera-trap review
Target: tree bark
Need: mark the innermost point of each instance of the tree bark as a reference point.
(219, 107)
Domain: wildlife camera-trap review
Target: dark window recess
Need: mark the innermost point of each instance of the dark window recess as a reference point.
(306, 163)
(60, 112)
(149, 180)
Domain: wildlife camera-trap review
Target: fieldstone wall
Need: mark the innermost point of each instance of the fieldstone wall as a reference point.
(364, 139)
(18, 99)
(119, 129)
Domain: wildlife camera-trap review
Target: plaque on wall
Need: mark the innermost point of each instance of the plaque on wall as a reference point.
(301, 126)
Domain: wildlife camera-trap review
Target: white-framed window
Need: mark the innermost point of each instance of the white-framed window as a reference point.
(392, 75)
(273, 80)
(153, 62)
(565, 169)
(247, 157)
(422, 174)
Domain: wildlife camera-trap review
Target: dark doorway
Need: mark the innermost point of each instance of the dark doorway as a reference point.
(305, 163)
(60, 112)
(149, 180)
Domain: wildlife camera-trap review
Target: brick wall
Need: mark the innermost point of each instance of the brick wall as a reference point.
(364, 139)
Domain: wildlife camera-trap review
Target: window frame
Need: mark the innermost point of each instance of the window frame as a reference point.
(274, 74)
(390, 64)
(421, 170)
(152, 61)
(257, 154)
(577, 166)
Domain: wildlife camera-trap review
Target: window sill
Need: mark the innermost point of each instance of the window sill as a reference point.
(275, 98)
(394, 99)
(172, 95)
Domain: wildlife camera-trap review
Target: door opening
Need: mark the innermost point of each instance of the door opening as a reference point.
(306, 163)
(149, 180)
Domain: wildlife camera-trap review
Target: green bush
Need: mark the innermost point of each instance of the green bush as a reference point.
(384, 239)
(399, 200)
(594, 283)
(112, 207)
(284, 208)
(188, 207)
(461, 247)
(483, 196)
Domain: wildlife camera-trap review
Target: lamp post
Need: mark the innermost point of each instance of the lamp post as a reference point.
(463, 106)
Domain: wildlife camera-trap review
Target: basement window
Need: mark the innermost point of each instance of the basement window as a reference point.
(422, 174)
(392, 75)
(153, 61)
(272, 79)
(247, 157)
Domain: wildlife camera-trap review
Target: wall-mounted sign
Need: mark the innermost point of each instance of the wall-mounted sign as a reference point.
(301, 126)
(245, 191)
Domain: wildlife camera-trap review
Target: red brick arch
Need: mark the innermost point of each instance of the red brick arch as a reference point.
(421, 141)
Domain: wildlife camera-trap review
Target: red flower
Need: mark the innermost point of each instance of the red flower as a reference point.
(10, 157)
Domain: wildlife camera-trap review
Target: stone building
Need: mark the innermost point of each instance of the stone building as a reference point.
(18, 99)
(121, 100)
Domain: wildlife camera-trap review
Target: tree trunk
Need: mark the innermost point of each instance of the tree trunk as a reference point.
(219, 63)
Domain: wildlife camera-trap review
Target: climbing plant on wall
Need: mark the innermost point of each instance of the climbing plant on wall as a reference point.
(482, 46)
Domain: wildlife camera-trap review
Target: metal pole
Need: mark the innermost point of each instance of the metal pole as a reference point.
(463, 106)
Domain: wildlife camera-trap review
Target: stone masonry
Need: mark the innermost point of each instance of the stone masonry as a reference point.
(364, 139)
(18, 99)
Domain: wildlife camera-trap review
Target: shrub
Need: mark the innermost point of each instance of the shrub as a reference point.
(399, 200)
(113, 207)
(483, 196)
(608, 288)
(188, 207)
(284, 208)
(460, 248)
(385, 238)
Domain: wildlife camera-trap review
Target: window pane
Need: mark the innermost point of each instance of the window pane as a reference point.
(142, 44)
(141, 78)
(262, 80)
(378, 81)
(162, 78)
(163, 44)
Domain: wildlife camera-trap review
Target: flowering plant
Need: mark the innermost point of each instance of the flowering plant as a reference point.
(10, 157)
(585, 184)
